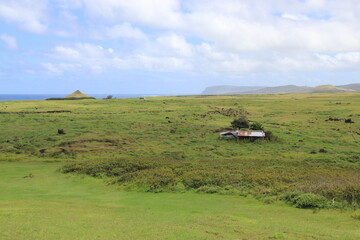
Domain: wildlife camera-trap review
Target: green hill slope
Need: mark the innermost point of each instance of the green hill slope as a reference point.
(327, 89)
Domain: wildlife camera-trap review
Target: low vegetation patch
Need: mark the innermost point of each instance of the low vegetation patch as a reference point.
(314, 188)
(71, 98)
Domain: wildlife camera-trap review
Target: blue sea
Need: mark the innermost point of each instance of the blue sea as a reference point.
(21, 97)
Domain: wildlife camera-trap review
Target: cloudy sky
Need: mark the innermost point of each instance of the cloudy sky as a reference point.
(175, 46)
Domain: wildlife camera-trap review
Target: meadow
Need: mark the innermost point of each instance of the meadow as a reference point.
(157, 166)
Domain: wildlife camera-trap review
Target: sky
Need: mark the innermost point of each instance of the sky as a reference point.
(175, 46)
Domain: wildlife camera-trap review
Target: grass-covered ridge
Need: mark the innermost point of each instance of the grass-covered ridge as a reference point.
(171, 143)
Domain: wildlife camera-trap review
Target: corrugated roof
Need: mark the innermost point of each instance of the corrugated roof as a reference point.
(256, 133)
(229, 132)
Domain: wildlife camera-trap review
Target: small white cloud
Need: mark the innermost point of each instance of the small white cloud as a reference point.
(295, 17)
(51, 68)
(10, 41)
(96, 58)
(174, 44)
(161, 64)
(350, 57)
(158, 13)
(125, 30)
(60, 68)
(66, 52)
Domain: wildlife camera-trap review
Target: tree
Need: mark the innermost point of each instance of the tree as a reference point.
(109, 97)
(241, 122)
(256, 126)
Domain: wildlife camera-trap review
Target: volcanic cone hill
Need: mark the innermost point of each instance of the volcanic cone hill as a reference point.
(77, 95)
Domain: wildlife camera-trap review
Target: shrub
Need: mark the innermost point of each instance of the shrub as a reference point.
(256, 126)
(289, 197)
(304, 200)
(241, 122)
(356, 215)
(270, 136)
(310, 200)
(160, 177)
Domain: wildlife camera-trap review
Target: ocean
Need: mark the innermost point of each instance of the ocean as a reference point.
(21, 97)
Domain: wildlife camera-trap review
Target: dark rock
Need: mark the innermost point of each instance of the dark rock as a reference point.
(333, 119)
(61, 131)
(349, 120)
(29, 176)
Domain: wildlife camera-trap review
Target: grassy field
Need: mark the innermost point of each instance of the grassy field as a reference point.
(55, 206)
(170, 145)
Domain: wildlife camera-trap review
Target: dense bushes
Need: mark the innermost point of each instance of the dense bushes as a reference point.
(256, 126)
(110, 168)
(270, 136)
(305, 200)
(240, 122)
(299, 186)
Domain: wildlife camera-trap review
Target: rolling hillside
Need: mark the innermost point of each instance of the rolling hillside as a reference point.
(228, 90)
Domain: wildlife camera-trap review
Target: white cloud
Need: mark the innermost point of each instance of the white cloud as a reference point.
(60, 68)
(81, 51)
(243, 26)
(206, 36)
(99, 59)
(125, 30)
(86, 56)
(172, 52)
(171, 45)
(161, 64)
(29, 15)
(10, 41)
(295, 17)
(158, 13)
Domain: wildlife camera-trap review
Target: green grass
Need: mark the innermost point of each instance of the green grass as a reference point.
(55, 206)
(107, 138)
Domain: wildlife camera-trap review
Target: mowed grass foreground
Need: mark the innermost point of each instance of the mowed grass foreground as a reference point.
(170, 144)
(55, 206)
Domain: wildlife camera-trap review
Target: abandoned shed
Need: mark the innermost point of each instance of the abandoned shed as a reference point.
(243, 134)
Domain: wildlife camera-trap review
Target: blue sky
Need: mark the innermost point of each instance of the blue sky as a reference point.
(175, 46)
